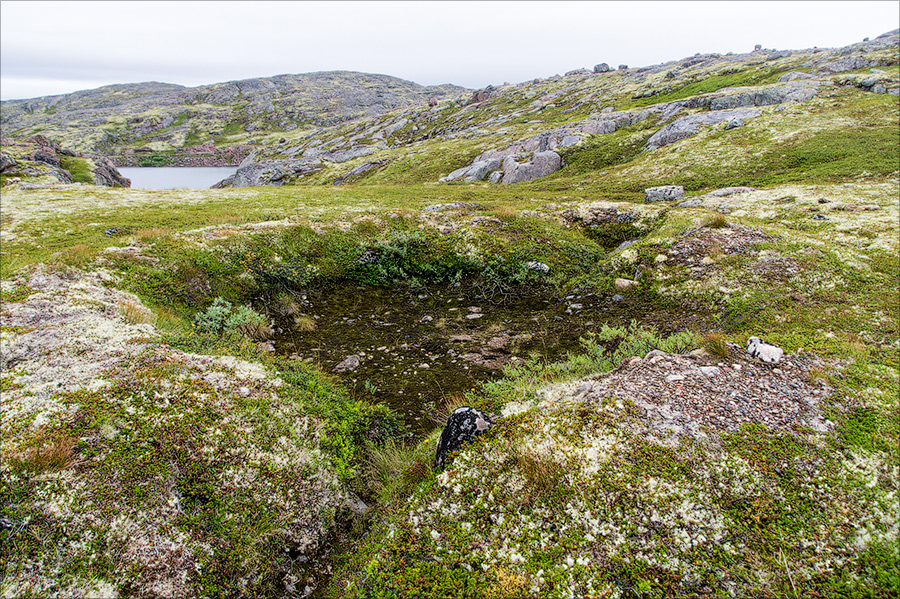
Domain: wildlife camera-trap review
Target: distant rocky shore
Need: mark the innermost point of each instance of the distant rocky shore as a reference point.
(207, 154)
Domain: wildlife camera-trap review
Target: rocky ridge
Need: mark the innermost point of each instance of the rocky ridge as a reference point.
(164, 117)
(41, 158)
(530, 128)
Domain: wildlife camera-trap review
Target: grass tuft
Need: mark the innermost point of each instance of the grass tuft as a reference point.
(49, 457)
(716, 344)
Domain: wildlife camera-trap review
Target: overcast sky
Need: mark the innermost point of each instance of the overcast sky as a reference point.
(60, 47)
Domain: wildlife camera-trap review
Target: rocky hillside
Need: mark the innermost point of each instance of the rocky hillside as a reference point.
(516, 133)
(163, 118)
(36, 161)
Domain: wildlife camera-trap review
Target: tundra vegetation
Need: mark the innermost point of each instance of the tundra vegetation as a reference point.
(153, 444)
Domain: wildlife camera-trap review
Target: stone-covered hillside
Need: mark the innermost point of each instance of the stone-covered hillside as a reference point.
(164, 117)
(514, 133)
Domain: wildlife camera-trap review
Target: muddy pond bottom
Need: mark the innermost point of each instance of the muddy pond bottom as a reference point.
(415, 350)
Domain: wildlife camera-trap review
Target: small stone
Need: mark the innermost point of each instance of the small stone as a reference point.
(675, 377)
(474, 316)
(244, 391)
(660, 258)
(538, 267)
(349, 364)
(624, 284)
(427, 319)
(617, 298)
(710, 370)
(737, 367)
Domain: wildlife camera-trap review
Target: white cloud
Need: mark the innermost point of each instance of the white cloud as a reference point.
(467, 43)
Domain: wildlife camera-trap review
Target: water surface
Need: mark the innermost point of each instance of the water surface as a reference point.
(176, 177)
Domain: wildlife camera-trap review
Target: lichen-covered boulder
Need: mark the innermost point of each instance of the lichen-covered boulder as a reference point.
(663, 193)
(541, 165)
(463, 425)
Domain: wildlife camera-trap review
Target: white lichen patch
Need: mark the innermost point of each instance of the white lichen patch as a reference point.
(143, 462)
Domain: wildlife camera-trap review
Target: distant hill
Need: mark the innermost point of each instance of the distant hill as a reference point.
(164, 117)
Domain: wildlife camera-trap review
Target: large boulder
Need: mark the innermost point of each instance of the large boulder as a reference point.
(476, 171)
(762, 97)
(463, 425)
(276, 172)
(7, 163)
(106, 173)
(602, 68)
(687, 126)
(541, 165)
(664, 193)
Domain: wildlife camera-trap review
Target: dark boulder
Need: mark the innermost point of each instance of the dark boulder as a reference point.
(601, 68)
(7, 163)
(107, 174)
(463, 425)
(46, 155)
(481, 95)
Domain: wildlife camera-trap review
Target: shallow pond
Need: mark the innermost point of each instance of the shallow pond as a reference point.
(176, 177)
(418, 349)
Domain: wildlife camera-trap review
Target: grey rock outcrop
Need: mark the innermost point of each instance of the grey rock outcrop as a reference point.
(541, 165)
(734, 123)
(603, 68)
(463, 425)
(7, 163)
(664, 193)
(851, 63)
(276, 172)
(779, 54)
(762, 97)
(106, 173)
(728, 191)
(688, 126)
(350, 154)
(794, 75)
(476, 171)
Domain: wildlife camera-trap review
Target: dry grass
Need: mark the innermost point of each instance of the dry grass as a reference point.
(259, 331)
(150, 234)
(304, 323)
(394, 466)
(286, 305)
(542, 474)
(57, 455)
(134, 313)
(442, 413)
(717, 222)
(716, 344)
(818, 373)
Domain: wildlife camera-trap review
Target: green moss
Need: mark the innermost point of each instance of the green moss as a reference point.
(79, 169)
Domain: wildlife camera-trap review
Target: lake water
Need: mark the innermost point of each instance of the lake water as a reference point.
(176, 177)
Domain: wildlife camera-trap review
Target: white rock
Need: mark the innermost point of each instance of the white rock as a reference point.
(771, 354)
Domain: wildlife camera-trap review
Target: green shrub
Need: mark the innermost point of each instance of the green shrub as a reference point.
(221, 317)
